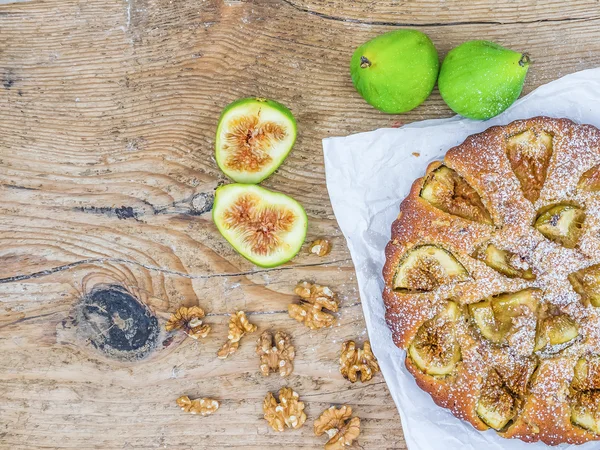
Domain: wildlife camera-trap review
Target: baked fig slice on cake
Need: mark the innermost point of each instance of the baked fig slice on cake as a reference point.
(489, 327)
(265, 227)
(494, 316)
(555, 330)
(254, 136)
(503, 389)
(516, 373)
(561, 224)
(434, 348)
(586, 374)
(585, 410)
(496, 405)
(509, 305)
(586, 282)
(507, 263)
(590, 180)
(529, 153)
(448, 191)
(425, 267)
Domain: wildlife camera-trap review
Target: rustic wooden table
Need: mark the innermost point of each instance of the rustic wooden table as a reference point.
(107, 114)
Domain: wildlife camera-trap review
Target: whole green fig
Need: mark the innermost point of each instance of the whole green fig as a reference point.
(480, 79)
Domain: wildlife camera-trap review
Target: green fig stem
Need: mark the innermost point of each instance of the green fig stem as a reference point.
(364, 62)
(525, 59)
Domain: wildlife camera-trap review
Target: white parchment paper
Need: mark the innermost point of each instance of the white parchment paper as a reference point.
(368, 174)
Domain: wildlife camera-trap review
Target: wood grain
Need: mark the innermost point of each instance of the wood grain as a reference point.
(107, 117)
(448, 13)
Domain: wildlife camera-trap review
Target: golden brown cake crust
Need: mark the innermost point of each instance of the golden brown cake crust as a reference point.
(482, 160)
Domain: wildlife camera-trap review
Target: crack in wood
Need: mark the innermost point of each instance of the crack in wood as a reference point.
(434, 24)
(195, 205)
(123, 212)
(351, 388)
(249, 313)
(224, 314)
(25, 319)
(280, 311)
(23, 188)
(72, 265)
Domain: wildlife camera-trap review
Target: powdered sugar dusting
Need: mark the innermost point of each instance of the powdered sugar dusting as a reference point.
(482, 162)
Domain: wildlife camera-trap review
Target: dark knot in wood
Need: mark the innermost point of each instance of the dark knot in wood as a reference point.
(117, 324)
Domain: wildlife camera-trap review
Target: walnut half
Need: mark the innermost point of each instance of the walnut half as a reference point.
(239, 325)
(353, 361)
(287, 412)
(202, 406)
(190, 321)
(277, 356)
(320, 247)
(309, 311)
(339, 426)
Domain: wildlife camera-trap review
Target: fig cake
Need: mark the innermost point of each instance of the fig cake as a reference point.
(492, 281)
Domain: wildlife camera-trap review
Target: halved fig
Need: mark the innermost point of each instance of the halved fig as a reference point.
(585, 410)
(426, 267)
(496, 405)
(254, 136)
(590, 180)
(586, 375)
(555, 330)
(448, 191)
(265, 227)
(494, 316)
(507, 263)
(561, 224)
(586, 282)
(529, 153)
(434, 348)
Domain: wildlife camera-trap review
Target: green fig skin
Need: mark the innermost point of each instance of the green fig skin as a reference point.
(480, 79)
(395, 72)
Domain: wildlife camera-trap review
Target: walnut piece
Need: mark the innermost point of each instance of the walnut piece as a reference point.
(353, 361)
(239, 325)
(202, 406)
(288, 412)
(320, 247)
(190, 321)
(309, 311)
(278, 357)
(341, 429)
